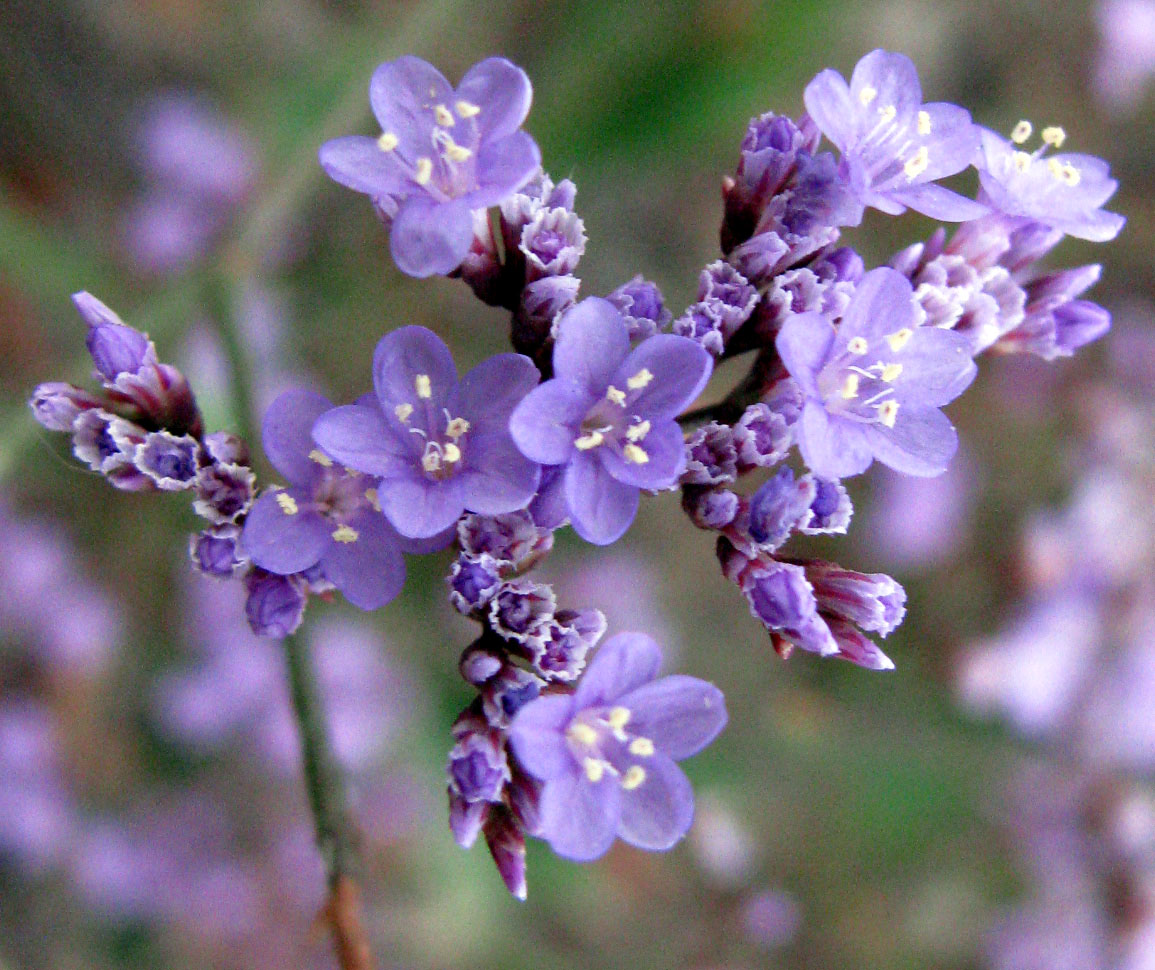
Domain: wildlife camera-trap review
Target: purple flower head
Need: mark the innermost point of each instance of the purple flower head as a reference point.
(439, 446)
(477, 769)
(442, 153)
(116, 348)
(1064, 192)
(275, 605)
(57, 405)
(327, 517)
(216, 551)
(894, 147)
(169, 460)
(874, 386)
(711, 456)
(781, 506)
(608, 415)
(606, 753)
(641, 304)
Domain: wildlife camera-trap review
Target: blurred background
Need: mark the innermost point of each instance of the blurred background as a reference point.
(988, 804)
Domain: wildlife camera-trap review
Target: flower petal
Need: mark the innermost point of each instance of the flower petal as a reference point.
(502, 91)
(503, 167)
(369, 571)
(922, 442)
(894, 79)
(680, 368)
(600, 507)
(488, 394)
(430, 238)
(359, 163)
(833, 447)
(804, 343)
(624, 663)
(680, 714)
(665, 451)
(593, 339)
(579, 819)
(939, 203)
(403, 357)
(497, 478)
(282, 542)
(418, 507)
(537, 736)
(358, 437)
(286, 434)
(545, 423)
(402, 92)
(828, 103)
(658, 812)
(883, 303)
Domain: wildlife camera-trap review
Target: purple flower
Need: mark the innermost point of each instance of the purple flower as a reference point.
(609, 415)
(442, 153)
(606, 753)
(874, 387)
(641, 304)
(1064, 192)
(439, 446)
(327, 517)
(893, 146)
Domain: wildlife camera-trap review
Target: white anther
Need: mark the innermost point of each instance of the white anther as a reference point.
(373, 499)
(867, 94)
(1022, 161)
(443, 116)
(1021, 132)
(582, 733)
(635, 455)
(595, 769)
(465, 109)
(1054, 136)
(388, 141)
(899, 339)
(321, 458)
(589, 440)
(890, 373)
(346, 534)
(887, 412)
(424, 170)
(917, 163)
(456, 427)
(634, 776)
(403, 411)
(423, 386)
(858, 346)
(452, 453)
(618, 717)
(849, 389)
(616, 396)
(640, 379)
(642, 747)
(888, 113)
(431, 460)
(455, 152)
(287, 503)
(637, 432)
(924, 123)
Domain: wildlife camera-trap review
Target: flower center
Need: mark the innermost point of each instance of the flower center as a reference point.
(611, 421)
(600, 741)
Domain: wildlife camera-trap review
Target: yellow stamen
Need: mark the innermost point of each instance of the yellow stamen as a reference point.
(924, 123)
(618, 717)
(465, 109)
(443, 116)
(456, 427)
(455, 152)
(887, 412)
(917, 163)
(634, 777)
(633, 453)
(452, 453)
(582, 734)
(638, 431)
(371, 496)
(642, 747)
(1021, 132)
(431, 461)
(287, 503)
(899, 339)
(858, 346)
(849, 389)
(595, 769)
(346, 534)
(1070, 174)
(423, 386)
(588, 441)
(890, 373)
(424, 170)
(321, 458)
(640, 379)
(618, 397)
(1022, 161)
(867, 94)
(888, 113)
(1054, 136)
(403, 411)
(388, 141)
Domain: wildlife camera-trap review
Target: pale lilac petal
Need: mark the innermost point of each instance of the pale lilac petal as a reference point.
(828, 103)
(883, 303)
(936, 368)
(503, 93)
(680, 714)
(601, 508)
(680, 368)
(402, 94)
(953, 136)
(359, 438)
(418, 507)
(665, 449)
(804, 343)
(503, 167)
(488, 394)
(537, 736)
(545, 424)
(894, 79)
(832, 447)
(624, 663)
(922, 442)
(497, 477)
(369, 571)
(281, 542)
(286, 434)
(939, 203)
(592, 340)
(430, 238)
(359, 163)
(400, 358)
(578, 818)
(659, 811)
(1097, 227)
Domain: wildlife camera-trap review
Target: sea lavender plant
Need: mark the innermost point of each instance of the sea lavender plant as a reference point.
(844, 365)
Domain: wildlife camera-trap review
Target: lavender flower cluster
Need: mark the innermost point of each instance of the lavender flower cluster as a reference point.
(846, 366)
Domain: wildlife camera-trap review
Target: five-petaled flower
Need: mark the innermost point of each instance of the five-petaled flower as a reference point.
(439, 447)
(894, 147)
(442, 153)
(327, 517)
(608, 415)
(874, 386)
(605, 754)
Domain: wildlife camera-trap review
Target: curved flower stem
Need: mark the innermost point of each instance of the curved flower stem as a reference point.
(326, 793)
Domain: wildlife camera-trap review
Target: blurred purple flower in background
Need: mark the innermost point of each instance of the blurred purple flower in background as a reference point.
(1125, 60)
